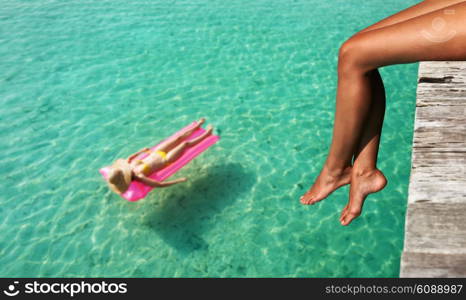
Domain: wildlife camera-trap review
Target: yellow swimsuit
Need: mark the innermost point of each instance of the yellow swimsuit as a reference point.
(163, 154)
(146, 167)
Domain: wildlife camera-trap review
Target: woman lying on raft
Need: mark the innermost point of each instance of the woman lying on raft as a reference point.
(123, 171)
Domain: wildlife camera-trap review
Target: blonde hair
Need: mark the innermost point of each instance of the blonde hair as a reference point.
(115, 175)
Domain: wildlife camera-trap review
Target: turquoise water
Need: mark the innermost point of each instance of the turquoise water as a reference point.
(85, 82)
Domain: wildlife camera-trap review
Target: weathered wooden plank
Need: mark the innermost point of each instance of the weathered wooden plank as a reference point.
(436, 188)
(441, 101)
(435, 137)
(443, 114)
(430, 157)
(448, 193)
(442, 69)
(443, 149)
(450, 92)
(435, 230)
(432, 265)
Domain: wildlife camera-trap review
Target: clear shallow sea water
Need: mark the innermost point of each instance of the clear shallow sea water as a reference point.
(85, 82)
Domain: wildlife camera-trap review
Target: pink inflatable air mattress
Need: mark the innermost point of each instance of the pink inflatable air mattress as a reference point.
(138, 190)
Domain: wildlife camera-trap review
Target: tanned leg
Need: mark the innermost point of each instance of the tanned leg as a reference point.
(365, 158)
(175, 153)
(175, 141)
(329, 179)
(412, 40)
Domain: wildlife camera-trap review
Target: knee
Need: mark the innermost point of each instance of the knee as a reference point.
(351, 56)
(347, 50)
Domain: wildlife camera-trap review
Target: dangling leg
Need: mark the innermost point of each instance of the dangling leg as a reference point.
(365, 158)
(417, 39)
(352, 108)
(416, 10)
(329, 180)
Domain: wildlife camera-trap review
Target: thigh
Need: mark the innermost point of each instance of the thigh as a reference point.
(175, 153)
(438, 35)
(419, 9)
(169, 144)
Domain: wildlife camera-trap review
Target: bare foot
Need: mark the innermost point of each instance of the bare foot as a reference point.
(325, 184)
(198, 139)
(187, 133)
(209, 129)
(362, 184)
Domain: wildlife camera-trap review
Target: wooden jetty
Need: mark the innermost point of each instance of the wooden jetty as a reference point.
(435, 229)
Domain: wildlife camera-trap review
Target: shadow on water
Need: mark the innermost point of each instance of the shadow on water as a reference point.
(184, 214)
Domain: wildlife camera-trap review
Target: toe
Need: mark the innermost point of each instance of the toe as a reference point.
(302, 200)
(316, 199)
(306, 199)
(352, 213)
(343, 213)
(311, 199)
(346, 220)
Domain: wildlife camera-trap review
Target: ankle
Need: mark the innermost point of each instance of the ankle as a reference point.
(337, 171)
(363, 171)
